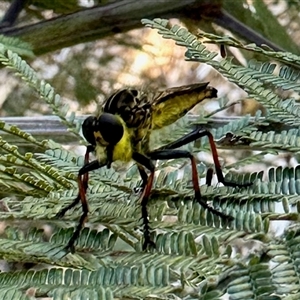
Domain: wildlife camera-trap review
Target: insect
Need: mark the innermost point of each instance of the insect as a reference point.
(122, 131)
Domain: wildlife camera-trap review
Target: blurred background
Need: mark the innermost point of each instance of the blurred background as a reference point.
(108, 49)
(84, 74)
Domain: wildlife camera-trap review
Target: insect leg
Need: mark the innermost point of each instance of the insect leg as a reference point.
(209, 175)
(144, 177)
(147, 163)
(196, 134)
(173, 154)
(82, 185)
(89, 149)
(82, 194)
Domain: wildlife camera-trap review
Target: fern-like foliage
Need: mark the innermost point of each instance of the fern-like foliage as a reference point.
(17, 46)
(198, 255)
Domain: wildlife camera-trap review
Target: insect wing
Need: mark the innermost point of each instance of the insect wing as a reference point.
(174, 103)
(132, 106)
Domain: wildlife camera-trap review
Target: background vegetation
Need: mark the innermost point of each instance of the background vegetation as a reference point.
(198, 255)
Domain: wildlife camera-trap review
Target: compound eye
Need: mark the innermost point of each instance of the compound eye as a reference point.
(88, 128)
(110, 128)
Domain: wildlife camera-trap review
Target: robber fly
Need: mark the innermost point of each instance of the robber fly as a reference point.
(122, 131)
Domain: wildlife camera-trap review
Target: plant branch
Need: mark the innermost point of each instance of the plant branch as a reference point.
(98, 22)
(121, 16)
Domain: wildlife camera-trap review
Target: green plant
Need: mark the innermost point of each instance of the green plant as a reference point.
(198, 255)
